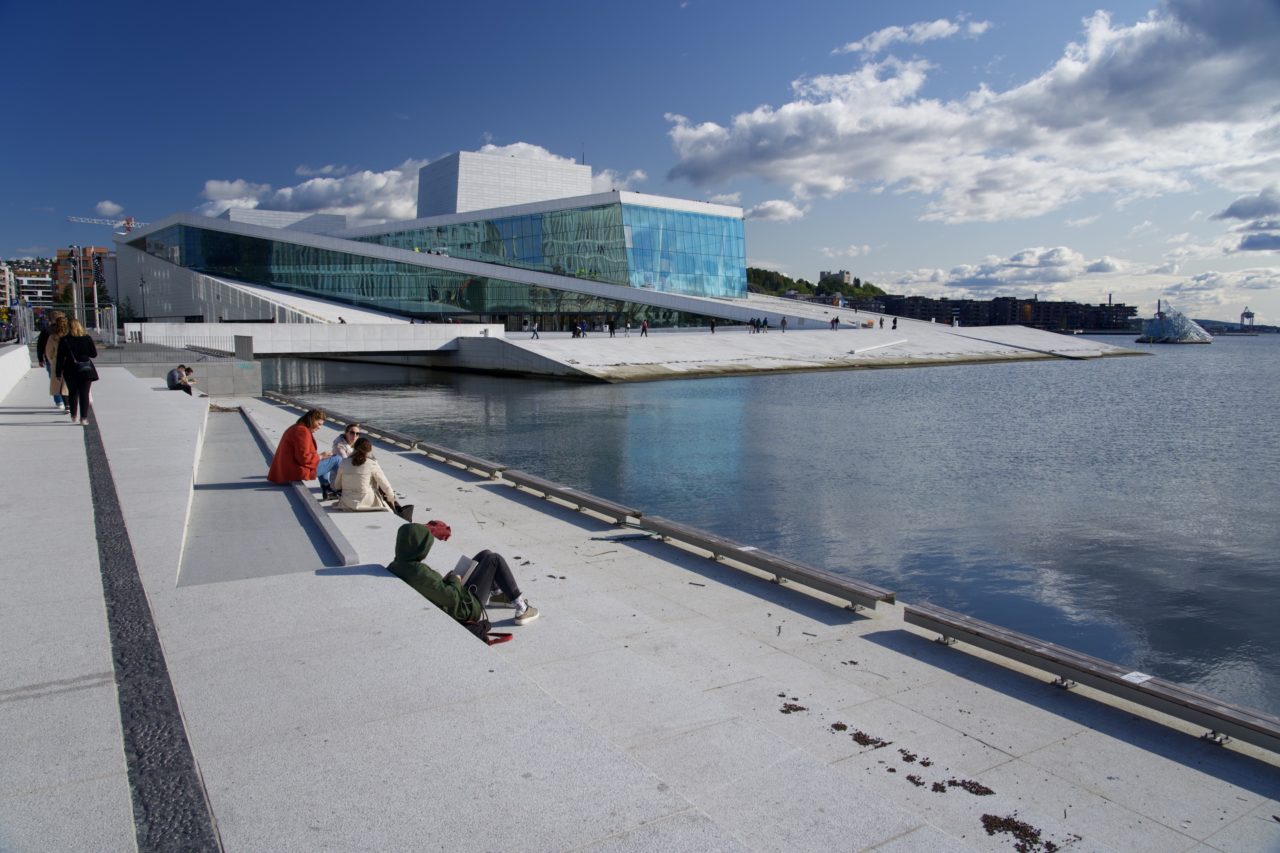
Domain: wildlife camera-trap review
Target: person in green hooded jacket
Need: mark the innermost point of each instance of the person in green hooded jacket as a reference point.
(462, 595)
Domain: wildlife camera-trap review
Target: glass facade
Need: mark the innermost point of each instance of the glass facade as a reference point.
(676, 251)
(654, 248)
(380, 284)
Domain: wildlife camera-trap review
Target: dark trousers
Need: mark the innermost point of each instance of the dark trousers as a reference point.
(78, 398)
(491, 569)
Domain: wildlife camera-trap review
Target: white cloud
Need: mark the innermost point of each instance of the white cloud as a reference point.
(1052, 270)
(524, 151)
(601, 181)
(368, 195)
(1201, 294)
(1189, 94)
(109, 208)
(390, 194)
(850, 251)
(1083, 221)
(917, 33)
(1261, 213)
(725, 198)
(775, 210)
(1265, 203)
(607, 179)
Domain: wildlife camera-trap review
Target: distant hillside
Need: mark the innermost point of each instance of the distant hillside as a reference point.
(1214, 327)
(776, 284)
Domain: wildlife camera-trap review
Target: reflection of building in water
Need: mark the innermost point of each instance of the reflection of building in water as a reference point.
(533, 253)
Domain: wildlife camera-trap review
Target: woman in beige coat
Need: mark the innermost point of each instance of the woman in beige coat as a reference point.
(363, 486)
(57, 387)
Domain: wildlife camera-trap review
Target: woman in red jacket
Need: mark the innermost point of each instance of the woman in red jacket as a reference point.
(296, 457)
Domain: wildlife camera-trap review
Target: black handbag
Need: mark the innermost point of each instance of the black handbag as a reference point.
(85, 371)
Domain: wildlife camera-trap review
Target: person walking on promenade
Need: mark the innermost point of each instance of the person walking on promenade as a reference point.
(895, 323)
(882, 322)
(613, 326)
(626, 330)
(461, 594)
(54, 333)
(534, 336)
(362, 485)
(713, 325)
(783, 324)
(296, 457)
(75, 367)
(644, 328)
(45, 356)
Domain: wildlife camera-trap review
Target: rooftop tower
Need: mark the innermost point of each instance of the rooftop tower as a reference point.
(467, 180)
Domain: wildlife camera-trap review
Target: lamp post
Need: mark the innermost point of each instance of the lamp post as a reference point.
(142, 290)
(77, 295)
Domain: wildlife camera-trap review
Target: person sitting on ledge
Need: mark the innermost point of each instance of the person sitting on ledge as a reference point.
(296, 457)
(176, 379)
(362, 486)
(464, 591)
(342, 447)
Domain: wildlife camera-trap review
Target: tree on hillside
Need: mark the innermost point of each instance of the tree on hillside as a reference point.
(775, 283)
(859, 289)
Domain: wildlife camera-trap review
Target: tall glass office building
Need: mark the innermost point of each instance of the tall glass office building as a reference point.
(554, 262)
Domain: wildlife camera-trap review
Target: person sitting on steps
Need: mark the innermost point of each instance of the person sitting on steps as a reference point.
(342, 447)
(362, 486)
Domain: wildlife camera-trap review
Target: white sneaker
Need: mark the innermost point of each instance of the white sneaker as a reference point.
(524, 617)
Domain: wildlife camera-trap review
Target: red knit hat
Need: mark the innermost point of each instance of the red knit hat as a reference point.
(439, 530)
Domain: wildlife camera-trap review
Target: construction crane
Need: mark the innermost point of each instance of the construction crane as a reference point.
(128, 223)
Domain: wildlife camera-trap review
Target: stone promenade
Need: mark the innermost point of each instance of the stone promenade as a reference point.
(189, 664)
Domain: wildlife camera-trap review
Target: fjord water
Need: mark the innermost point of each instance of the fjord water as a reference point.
(1125, 507)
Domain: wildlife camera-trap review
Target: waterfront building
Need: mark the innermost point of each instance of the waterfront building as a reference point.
(555, 261)
(1008, 310)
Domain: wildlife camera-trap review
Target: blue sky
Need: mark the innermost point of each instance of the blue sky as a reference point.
(1070, 150)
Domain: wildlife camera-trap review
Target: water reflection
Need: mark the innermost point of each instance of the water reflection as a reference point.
(1124, 507)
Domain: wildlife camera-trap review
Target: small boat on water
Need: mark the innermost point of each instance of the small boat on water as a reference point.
(1172, 327)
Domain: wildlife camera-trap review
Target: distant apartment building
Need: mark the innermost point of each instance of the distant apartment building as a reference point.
(85, 265)
(1008, 310)
(8, 286)
(32, 281)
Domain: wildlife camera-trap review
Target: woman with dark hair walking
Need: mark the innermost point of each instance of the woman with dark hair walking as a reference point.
(74, 366)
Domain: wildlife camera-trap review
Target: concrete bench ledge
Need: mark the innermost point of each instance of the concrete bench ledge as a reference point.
(577, 498)
(341, 547)
(1221, 718)
(857, 593)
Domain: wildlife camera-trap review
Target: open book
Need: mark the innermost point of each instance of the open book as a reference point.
(446, 559)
